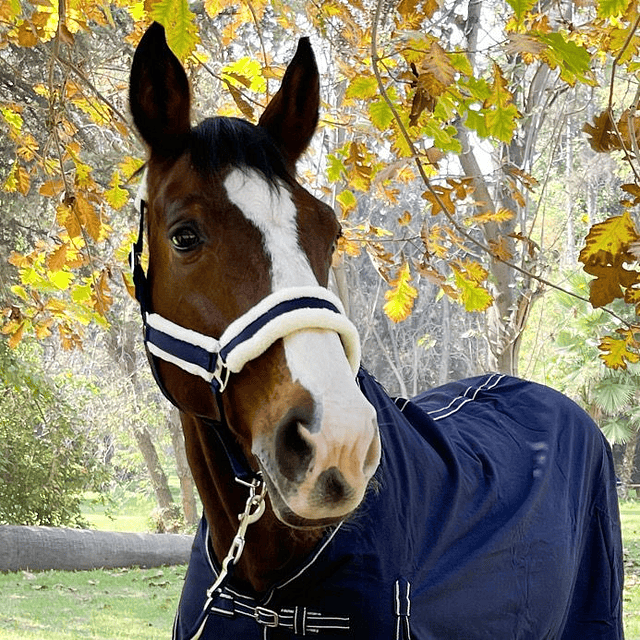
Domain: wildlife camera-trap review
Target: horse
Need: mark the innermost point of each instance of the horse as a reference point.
(485, 508)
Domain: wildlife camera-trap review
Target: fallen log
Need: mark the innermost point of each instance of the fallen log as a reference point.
(43, 548)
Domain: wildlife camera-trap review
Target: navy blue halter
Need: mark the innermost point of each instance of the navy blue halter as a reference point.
(215, 359)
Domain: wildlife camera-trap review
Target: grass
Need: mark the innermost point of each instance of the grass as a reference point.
(131, 511)
(630, 514)
(134, 604)
(139, 604)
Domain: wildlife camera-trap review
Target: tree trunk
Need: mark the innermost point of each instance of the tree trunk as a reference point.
(569, 258)
(122, 348)
(187, 485)
(445, 354)
(628, 460)
(169, 512)
(45, 548)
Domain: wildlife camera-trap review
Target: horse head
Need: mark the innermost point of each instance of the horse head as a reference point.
(231, 229)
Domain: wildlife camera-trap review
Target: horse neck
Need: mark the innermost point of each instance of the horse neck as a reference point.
(272, 550)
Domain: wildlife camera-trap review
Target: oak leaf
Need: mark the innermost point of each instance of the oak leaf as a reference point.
(602, 137)
(179, 22)
(58, 259)
(401, 296)
(609, 239)
(617, 352)
(609, 282)
(501, 215)
(472, 294)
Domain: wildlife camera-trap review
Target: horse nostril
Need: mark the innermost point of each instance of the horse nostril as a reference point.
(332, 488)
(294, 453)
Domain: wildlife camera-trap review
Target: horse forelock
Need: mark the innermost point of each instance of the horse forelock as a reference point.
(222, 142)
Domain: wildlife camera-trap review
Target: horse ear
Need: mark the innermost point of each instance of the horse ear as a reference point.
(159, 95)
(292, 115)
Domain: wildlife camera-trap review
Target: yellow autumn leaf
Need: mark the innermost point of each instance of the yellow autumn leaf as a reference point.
(501, 215)
(129, 166)
(473, 295)
(16, 336)
(43, 329)
(401, 296)
(474, 271)
(60, 279)
(608, 239)
(347, 201)
(179, 21)
(51, 188)
(117, 197)
(88, 216)
(501, 249)
(58, 259)
(616, 352)
(404, 219)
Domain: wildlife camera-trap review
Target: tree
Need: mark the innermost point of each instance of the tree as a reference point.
(448, 101)
(47, 460)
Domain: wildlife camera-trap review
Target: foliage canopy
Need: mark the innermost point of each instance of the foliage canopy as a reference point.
(434, 109)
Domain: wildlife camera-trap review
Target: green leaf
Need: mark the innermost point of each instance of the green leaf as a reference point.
(573, 60)
(380, 114)
(608, 8)
(81, 293)
(347, 201)
(472, 294)
(362, 88)
(501, 122)
(179, 23)
(612, 396)
(616, 431)
(520, 7)
(444, 138)
(335, 168)
(476, 121)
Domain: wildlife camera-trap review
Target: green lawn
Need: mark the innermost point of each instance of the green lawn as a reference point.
(93, 605)
(140, 604)
(630, 514)
(131, 512)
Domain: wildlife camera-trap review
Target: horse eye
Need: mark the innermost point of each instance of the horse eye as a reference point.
(185, 239)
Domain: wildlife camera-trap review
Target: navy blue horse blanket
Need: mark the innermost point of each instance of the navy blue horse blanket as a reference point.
(493, 515)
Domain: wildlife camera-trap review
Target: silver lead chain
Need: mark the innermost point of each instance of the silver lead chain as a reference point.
(253, 510)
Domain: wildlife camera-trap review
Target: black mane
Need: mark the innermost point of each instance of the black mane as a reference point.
(221, 142)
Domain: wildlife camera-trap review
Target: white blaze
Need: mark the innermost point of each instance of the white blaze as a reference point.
(311, 355)
(315, 357)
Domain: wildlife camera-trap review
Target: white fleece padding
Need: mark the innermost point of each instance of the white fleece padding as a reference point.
(187, 366)
(295, 321)
(182, 333)
(142, 191)
(279, 327)
(289, 322)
